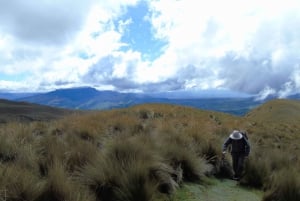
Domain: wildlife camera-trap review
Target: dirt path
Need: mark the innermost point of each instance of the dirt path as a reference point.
(219, 190)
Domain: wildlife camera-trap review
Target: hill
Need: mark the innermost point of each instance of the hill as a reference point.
(147, 152)
(84, 98)
(26, 112)
(275, 123)
(278, 110)
(87, 98)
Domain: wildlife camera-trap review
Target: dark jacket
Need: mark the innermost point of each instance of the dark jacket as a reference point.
(241, 146)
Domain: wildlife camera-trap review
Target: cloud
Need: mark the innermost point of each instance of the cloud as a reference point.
(160, 45)
(55, 42)
(247, 49)
(44, 21)
(263, 94)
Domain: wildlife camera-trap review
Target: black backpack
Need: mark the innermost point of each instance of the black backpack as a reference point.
(244, 135)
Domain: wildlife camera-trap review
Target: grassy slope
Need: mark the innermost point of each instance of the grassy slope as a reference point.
(273, 127)
(26, 112)
(275, 123)
(154, 136)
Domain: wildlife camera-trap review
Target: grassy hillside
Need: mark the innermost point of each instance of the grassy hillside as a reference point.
(277, 111)
(275, 123)
(146, 152)
(26, 112)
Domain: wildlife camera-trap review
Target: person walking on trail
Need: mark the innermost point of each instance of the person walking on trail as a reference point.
(240, 149)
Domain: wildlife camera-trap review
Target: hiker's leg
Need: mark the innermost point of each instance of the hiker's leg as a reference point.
(240, 165)
(235, 160)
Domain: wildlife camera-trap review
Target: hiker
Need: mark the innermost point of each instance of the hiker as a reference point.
(240, 149)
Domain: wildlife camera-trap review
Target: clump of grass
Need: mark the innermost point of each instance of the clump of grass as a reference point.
(100, 176)
(27, 158)
(180, 154)
(79, 154)
(224, 169)
(285, 185)
(277, 159)
(256, 172)
(8, 148)
(50, 149)
(136, 185)
(127, 169)
(60, 186)
(19, 183)
(146, 114)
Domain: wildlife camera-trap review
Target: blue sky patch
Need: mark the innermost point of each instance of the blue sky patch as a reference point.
(14, 77)
(138, 32)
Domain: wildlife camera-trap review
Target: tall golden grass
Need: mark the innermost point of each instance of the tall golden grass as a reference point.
(140, 153)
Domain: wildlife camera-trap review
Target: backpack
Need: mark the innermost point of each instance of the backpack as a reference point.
(244, 134)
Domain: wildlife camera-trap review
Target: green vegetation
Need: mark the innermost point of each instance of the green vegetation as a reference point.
(146, 152)
(225, 190)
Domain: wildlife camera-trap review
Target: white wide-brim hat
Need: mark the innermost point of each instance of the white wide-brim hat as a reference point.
(236, 135)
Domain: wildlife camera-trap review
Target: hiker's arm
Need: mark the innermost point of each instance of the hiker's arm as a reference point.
(226, 144)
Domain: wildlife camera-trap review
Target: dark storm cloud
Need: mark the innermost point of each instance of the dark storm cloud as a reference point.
(171, 84)
(102, 74)
(45, 21)
(101, 71)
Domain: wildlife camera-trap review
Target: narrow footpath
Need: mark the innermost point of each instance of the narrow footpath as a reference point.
(219, 190)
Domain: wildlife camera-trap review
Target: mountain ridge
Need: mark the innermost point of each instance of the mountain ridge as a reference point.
(88, 98)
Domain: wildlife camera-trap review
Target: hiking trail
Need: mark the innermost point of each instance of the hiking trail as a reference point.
(219, 190)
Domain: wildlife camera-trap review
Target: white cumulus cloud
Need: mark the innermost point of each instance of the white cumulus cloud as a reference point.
(245, 46)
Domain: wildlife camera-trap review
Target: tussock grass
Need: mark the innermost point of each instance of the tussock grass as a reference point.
(141, 153)
(284, 185)
(180, 152)
(256, 172)
(8, 149)
(19, 183)
(79, 154)
(60, 186)
(127, 170)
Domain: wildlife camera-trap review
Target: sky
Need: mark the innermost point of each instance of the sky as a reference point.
(250, 47)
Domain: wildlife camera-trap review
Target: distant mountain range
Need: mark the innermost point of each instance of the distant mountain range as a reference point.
(87, 98)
